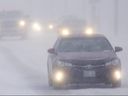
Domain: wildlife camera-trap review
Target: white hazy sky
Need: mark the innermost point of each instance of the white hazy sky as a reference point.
(55, 9)
(46, 8)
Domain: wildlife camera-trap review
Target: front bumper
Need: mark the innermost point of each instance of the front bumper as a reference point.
(81, 75)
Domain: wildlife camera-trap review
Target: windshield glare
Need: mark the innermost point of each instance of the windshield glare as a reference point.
(84, 45)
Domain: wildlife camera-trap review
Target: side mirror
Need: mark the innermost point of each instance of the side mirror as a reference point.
(118, 49)
(51, 51)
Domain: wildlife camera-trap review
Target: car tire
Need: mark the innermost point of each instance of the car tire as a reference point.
(56, 86)
(53, 84)
(116, 85)
(49, 82)
(23, 37)
(1, 37)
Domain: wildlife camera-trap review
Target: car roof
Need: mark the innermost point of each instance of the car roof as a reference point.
(82, 36)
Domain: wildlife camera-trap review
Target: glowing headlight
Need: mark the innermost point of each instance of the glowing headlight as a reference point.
(117, 74)
(50, 26)
(62, 64)
(36, 26)
(89, 31)
(59, 76)
(65, 32)
(113, 62)
(22, 23)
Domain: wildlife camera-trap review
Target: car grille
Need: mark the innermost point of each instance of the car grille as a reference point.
(89, 66)
(77, 70)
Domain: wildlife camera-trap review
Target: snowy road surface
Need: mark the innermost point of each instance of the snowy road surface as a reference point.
(23, 69)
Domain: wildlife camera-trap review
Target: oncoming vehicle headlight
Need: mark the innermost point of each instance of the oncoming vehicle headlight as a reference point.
(36, 26)
(113, 62)
(22, 23)
(65, 32)
(62, 64)
(89, 31)
(50, 26)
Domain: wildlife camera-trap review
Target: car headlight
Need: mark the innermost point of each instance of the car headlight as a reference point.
(65, 32)
(117, 74)
(89, 31)
(113, 62)
(50, 26)
(62, 63)
(36, 26)
(59, 76)
(22, 23)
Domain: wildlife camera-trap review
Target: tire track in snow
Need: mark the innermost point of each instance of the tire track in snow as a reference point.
(33, 79)
(30, 76)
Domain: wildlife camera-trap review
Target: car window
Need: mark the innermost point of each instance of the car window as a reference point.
(83, 45)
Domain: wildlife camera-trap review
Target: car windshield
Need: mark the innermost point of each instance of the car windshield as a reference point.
(84, 45)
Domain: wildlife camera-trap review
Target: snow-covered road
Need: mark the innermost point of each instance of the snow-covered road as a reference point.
(23, 69)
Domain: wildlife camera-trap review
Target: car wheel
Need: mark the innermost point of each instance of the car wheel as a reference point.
(1, 36)
(57, 86)
(49, 81)
(54, 84)
(116, 85)
(23, 37)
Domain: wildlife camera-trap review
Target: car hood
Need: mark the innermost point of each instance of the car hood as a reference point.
(86, 56)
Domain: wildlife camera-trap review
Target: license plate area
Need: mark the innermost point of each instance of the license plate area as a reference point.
(89, 73)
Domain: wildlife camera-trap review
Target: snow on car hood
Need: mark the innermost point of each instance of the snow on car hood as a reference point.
(84, 56)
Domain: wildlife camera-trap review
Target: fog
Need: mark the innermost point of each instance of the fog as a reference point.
(53, 10)
(24, 62)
